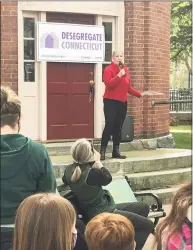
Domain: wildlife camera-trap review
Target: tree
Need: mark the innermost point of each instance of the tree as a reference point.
(181, 33)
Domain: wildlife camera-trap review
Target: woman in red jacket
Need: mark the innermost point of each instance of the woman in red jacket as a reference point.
(118, 85)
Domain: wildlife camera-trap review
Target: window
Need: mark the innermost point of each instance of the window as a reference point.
(29, 49)
(108, 26)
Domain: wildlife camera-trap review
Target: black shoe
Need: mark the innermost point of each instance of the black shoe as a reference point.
(116, 153)
(102, 153)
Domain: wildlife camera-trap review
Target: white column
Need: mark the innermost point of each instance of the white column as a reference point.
(99, 89)
(43, 92)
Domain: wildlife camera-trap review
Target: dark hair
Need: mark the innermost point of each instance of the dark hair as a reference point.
(10, 107)
(174, 221)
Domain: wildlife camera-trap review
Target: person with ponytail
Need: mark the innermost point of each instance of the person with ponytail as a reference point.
(175, 231)
(86, 178)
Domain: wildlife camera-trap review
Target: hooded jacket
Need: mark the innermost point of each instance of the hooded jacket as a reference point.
(92, 200)
(26, 169)
(117, 88)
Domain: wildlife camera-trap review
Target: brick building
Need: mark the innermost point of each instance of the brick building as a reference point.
(140, 29)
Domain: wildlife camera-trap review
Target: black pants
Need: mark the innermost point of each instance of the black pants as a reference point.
(115, 113)
(137, 212)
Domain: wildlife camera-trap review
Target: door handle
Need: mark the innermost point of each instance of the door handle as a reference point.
(91, 82)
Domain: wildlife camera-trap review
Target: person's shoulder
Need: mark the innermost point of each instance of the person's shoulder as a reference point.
(107, 68)
(175, 240)
(39, 148)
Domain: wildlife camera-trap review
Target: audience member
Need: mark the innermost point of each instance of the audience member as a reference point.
(175, 231)
(109, 231)
(25, 165)
(47, 222)
(87, 175)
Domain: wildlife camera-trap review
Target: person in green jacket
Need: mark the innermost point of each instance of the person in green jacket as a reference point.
(26, 168)
(86, 177)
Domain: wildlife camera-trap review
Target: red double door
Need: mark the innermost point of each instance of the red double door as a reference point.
(70, 114)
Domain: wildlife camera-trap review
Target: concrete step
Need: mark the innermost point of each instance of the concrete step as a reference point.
(159, 179)
(63, 148)
(165, 194)
(136, 161)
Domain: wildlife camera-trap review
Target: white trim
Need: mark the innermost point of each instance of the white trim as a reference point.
(29, 38)
(8, 226)
(27, 91)
(115, 39)
(98, 90)
(20, 53)
(43, 92)
(81, 7)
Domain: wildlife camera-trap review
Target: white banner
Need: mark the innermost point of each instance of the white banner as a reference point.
(70, 43)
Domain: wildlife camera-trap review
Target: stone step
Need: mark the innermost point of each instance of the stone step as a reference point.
(137, 161)
(165, 194)
(63, 148)
(159, 179)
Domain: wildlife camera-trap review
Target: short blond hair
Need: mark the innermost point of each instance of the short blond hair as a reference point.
(117, 52)
(108, 231)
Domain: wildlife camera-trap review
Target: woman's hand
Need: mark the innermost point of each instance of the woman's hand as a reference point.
(121, 73)
(98, 163)
(97, 156)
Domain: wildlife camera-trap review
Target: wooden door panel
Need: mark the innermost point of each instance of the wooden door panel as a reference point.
(57, 102)
(83, 107)
(69, 113)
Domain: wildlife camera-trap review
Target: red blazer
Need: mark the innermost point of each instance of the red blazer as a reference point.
(117, 87)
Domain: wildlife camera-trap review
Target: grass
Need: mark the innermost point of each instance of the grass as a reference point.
(183, 140)
(181, 127)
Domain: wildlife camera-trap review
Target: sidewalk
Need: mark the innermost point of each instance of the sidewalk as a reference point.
(149, 245)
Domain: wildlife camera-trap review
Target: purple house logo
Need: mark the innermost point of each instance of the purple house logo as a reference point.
(49, 41)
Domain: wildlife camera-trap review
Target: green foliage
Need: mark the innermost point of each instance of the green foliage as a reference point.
(181, 32)
(183, 140)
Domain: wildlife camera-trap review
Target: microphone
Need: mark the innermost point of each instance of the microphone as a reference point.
(121, 65)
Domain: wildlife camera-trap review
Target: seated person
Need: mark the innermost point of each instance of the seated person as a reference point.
(87, 175)
(108, 231)
(175, 231)
(46, 222)
(26, 167)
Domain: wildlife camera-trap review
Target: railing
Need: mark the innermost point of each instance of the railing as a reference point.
(180, 100)
(161, 102)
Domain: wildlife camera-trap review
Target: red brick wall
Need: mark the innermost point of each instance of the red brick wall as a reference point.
(147, 53)
(9, 44)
